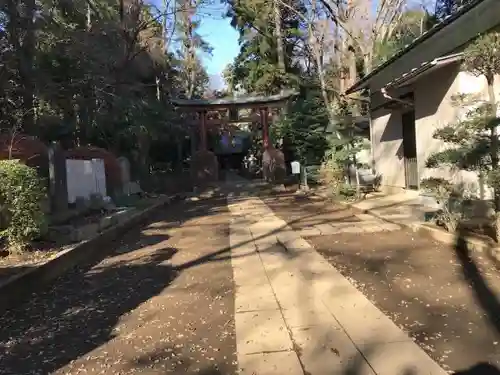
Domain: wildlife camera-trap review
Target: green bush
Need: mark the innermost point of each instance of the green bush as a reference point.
(347, 192)
(21, 196)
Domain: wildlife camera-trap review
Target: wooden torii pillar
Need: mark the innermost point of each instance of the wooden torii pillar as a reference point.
(204, 163)
(264, 113)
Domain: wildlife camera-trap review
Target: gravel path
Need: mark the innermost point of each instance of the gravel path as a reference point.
(161, 303)
(445, 298)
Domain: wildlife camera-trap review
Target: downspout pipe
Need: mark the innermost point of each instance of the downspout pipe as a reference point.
(386, 95)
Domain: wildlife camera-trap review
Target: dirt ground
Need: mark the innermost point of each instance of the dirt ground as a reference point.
(161, 303)
(444, 297)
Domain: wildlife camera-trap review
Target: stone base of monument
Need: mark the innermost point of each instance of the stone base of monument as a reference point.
(273, 166)
(204, 168)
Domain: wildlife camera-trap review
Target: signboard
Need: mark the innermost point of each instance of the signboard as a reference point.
(295, 167)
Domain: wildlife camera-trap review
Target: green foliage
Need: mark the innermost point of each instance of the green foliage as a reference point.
(21, 197)
(332, 174)
(450, 197)
(482, 58)
(304, 128)
(347, 140)
(98, 76)
(473, 138)
(347, 192)
(474, 142)
(256, 69)
(413, 23)
(445, 8)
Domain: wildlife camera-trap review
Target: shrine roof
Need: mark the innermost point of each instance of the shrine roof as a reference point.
(240, 101)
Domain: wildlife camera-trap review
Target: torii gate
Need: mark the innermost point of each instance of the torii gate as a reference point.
(204, 165)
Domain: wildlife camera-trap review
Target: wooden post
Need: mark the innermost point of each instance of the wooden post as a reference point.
(203, 131)
(265, 127)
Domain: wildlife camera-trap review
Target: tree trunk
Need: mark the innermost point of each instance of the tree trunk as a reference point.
(143, 145)
(494, 148)
(180, 143)
(26, 68)
(279, 36)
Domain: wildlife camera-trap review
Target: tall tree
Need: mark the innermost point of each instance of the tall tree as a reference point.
(269, 38)
(190, 43)
(445, 8)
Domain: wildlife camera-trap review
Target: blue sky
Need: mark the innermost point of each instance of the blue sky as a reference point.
(223, 38)
(217, 31)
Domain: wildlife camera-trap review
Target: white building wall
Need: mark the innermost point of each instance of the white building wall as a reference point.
(433, 109)
(387, 143)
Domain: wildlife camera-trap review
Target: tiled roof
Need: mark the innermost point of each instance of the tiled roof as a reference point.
(240, 100)
(425, 67)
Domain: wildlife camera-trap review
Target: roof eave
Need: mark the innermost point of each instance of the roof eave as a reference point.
(436, 63)
(365, 81)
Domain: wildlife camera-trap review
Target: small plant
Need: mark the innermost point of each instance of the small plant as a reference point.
(348, 192)
(449, 197)
(21, 195)
(332, 175)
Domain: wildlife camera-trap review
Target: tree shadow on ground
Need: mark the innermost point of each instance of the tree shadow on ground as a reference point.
(84, 308)
(170, 359)
(471, 272)
(483, 294)
(480, 369)
(79, 313)
(405, 279)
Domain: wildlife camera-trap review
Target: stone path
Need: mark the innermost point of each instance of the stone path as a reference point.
(296, 314)
(366, 224)
(444, 297)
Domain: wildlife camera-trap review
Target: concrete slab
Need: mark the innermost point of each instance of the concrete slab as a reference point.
(277, 363)
(326, 350)
(326, 229)
(261, 331)
(245, 258)
(368, 217)
(355, 228)
(263, 240)
(287, 234)
(372, 228)
(362, 321)
(309, 232)
(249, 277)
(390, 227)
(255, 298)
(400, 358)
(296, 246)
(308, 315)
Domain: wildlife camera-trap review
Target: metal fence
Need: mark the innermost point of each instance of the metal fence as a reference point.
(411, 173)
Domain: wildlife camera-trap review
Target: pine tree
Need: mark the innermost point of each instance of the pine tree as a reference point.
(474, 139)
(258, 67)
(445, 8)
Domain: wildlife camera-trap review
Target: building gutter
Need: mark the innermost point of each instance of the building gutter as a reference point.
(386, 95)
